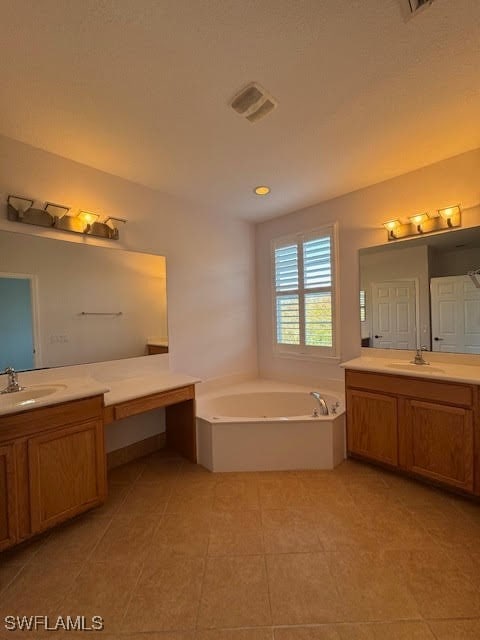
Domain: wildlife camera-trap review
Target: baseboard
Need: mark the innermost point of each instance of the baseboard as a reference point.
(135, 450)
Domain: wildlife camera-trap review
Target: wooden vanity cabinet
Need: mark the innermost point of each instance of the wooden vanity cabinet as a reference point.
(426, 428)
(52, 467)
(372, 425)
(8, 497)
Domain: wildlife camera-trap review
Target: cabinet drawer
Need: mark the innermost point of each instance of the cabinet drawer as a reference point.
(154, 401)
(34, 421)
(435, 391)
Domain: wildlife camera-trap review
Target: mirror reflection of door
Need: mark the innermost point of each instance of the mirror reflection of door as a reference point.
(394, 315)
(16, 322)
(455, 308)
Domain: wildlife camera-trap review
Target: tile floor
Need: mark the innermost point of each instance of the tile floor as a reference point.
(179, 553)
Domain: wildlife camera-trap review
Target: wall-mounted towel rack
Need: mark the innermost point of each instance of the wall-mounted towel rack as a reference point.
(94, 313)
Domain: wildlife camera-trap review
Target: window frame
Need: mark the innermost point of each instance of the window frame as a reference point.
(303, 351)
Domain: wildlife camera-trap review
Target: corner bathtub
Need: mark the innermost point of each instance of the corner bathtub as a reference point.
(266, 426)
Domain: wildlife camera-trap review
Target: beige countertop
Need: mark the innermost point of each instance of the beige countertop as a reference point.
(64, 390)
(131, 388)
(436, 370)
(119, 381)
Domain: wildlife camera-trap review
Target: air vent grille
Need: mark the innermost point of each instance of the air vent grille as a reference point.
(253, 102)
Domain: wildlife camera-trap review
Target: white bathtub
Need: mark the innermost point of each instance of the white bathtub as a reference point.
(267, 426)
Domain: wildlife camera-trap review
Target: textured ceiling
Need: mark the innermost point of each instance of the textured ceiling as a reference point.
(140, 88)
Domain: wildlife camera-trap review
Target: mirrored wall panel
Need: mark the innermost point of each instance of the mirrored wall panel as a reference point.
(65, 303)
(422, 292)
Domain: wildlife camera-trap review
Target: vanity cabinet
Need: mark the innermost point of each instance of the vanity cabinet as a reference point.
(439, 442)
(52, 467)
(423, 427)
(8, 497)
(372, 425)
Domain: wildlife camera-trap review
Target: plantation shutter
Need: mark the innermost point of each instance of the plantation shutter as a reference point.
(304, 294)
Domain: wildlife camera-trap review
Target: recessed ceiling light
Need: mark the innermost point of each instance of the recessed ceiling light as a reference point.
(262, 191)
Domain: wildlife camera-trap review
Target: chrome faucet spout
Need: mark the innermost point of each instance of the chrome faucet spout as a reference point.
(12, 381)
(418, 358)
(322, 405)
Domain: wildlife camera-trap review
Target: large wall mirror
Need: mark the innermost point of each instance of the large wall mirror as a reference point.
(418, 293)
(65, 303)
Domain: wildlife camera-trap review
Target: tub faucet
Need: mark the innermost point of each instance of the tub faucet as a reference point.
(419, 359)
(12, 381)
(322, 405)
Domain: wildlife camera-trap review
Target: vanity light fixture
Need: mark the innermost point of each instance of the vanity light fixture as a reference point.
(422, 223)
(418, 219)
(449, 214)
(262, 190)
(391, 226)
(57, 216)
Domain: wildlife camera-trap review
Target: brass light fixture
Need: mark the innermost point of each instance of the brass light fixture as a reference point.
(421, 223)
(56, 216)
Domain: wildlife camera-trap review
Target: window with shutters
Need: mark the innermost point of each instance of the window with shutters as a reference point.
(304, 293)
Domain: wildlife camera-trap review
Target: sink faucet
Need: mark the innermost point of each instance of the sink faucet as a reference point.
(322, 405)
(12, 383)
(419, 359)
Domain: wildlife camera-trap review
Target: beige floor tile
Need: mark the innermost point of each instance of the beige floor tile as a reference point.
(302, 590)
(235, 533)
(146, 498)
(7, 574)
(167, 596)
(440, 587)
(102, 589)
(38, 589)
(234, 593)
(72, 542)
(189, 500)
(116, 495)
(370, 587)
(128, 538)
(181, 534)
(456, 629)
(157, 470)
(291, 530)
(394, 527)
(278, 493)
(264, 633)
(366, 631)
(344, 530)
(23, 553)
(236, 495)
(127, 473)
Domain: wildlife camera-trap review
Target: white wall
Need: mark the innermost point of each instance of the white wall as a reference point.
(360, 216)
(210, 258)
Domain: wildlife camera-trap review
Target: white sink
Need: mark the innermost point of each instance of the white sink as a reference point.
(417, 368)
(29, 396)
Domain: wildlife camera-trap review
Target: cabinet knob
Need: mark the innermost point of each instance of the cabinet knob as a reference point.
(437, 338)
(377, 336)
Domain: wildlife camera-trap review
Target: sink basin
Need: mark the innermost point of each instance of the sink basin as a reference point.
(417, 368)
(29, 396)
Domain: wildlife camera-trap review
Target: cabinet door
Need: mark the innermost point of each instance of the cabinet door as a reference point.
(8, 498)
(372, 426)
(67, 473)
(439, 442)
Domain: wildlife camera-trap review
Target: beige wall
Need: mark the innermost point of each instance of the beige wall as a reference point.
(360, 216)
(210, 260)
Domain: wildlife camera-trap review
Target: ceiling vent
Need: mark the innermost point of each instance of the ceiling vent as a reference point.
(411, 8)
(253, 102)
